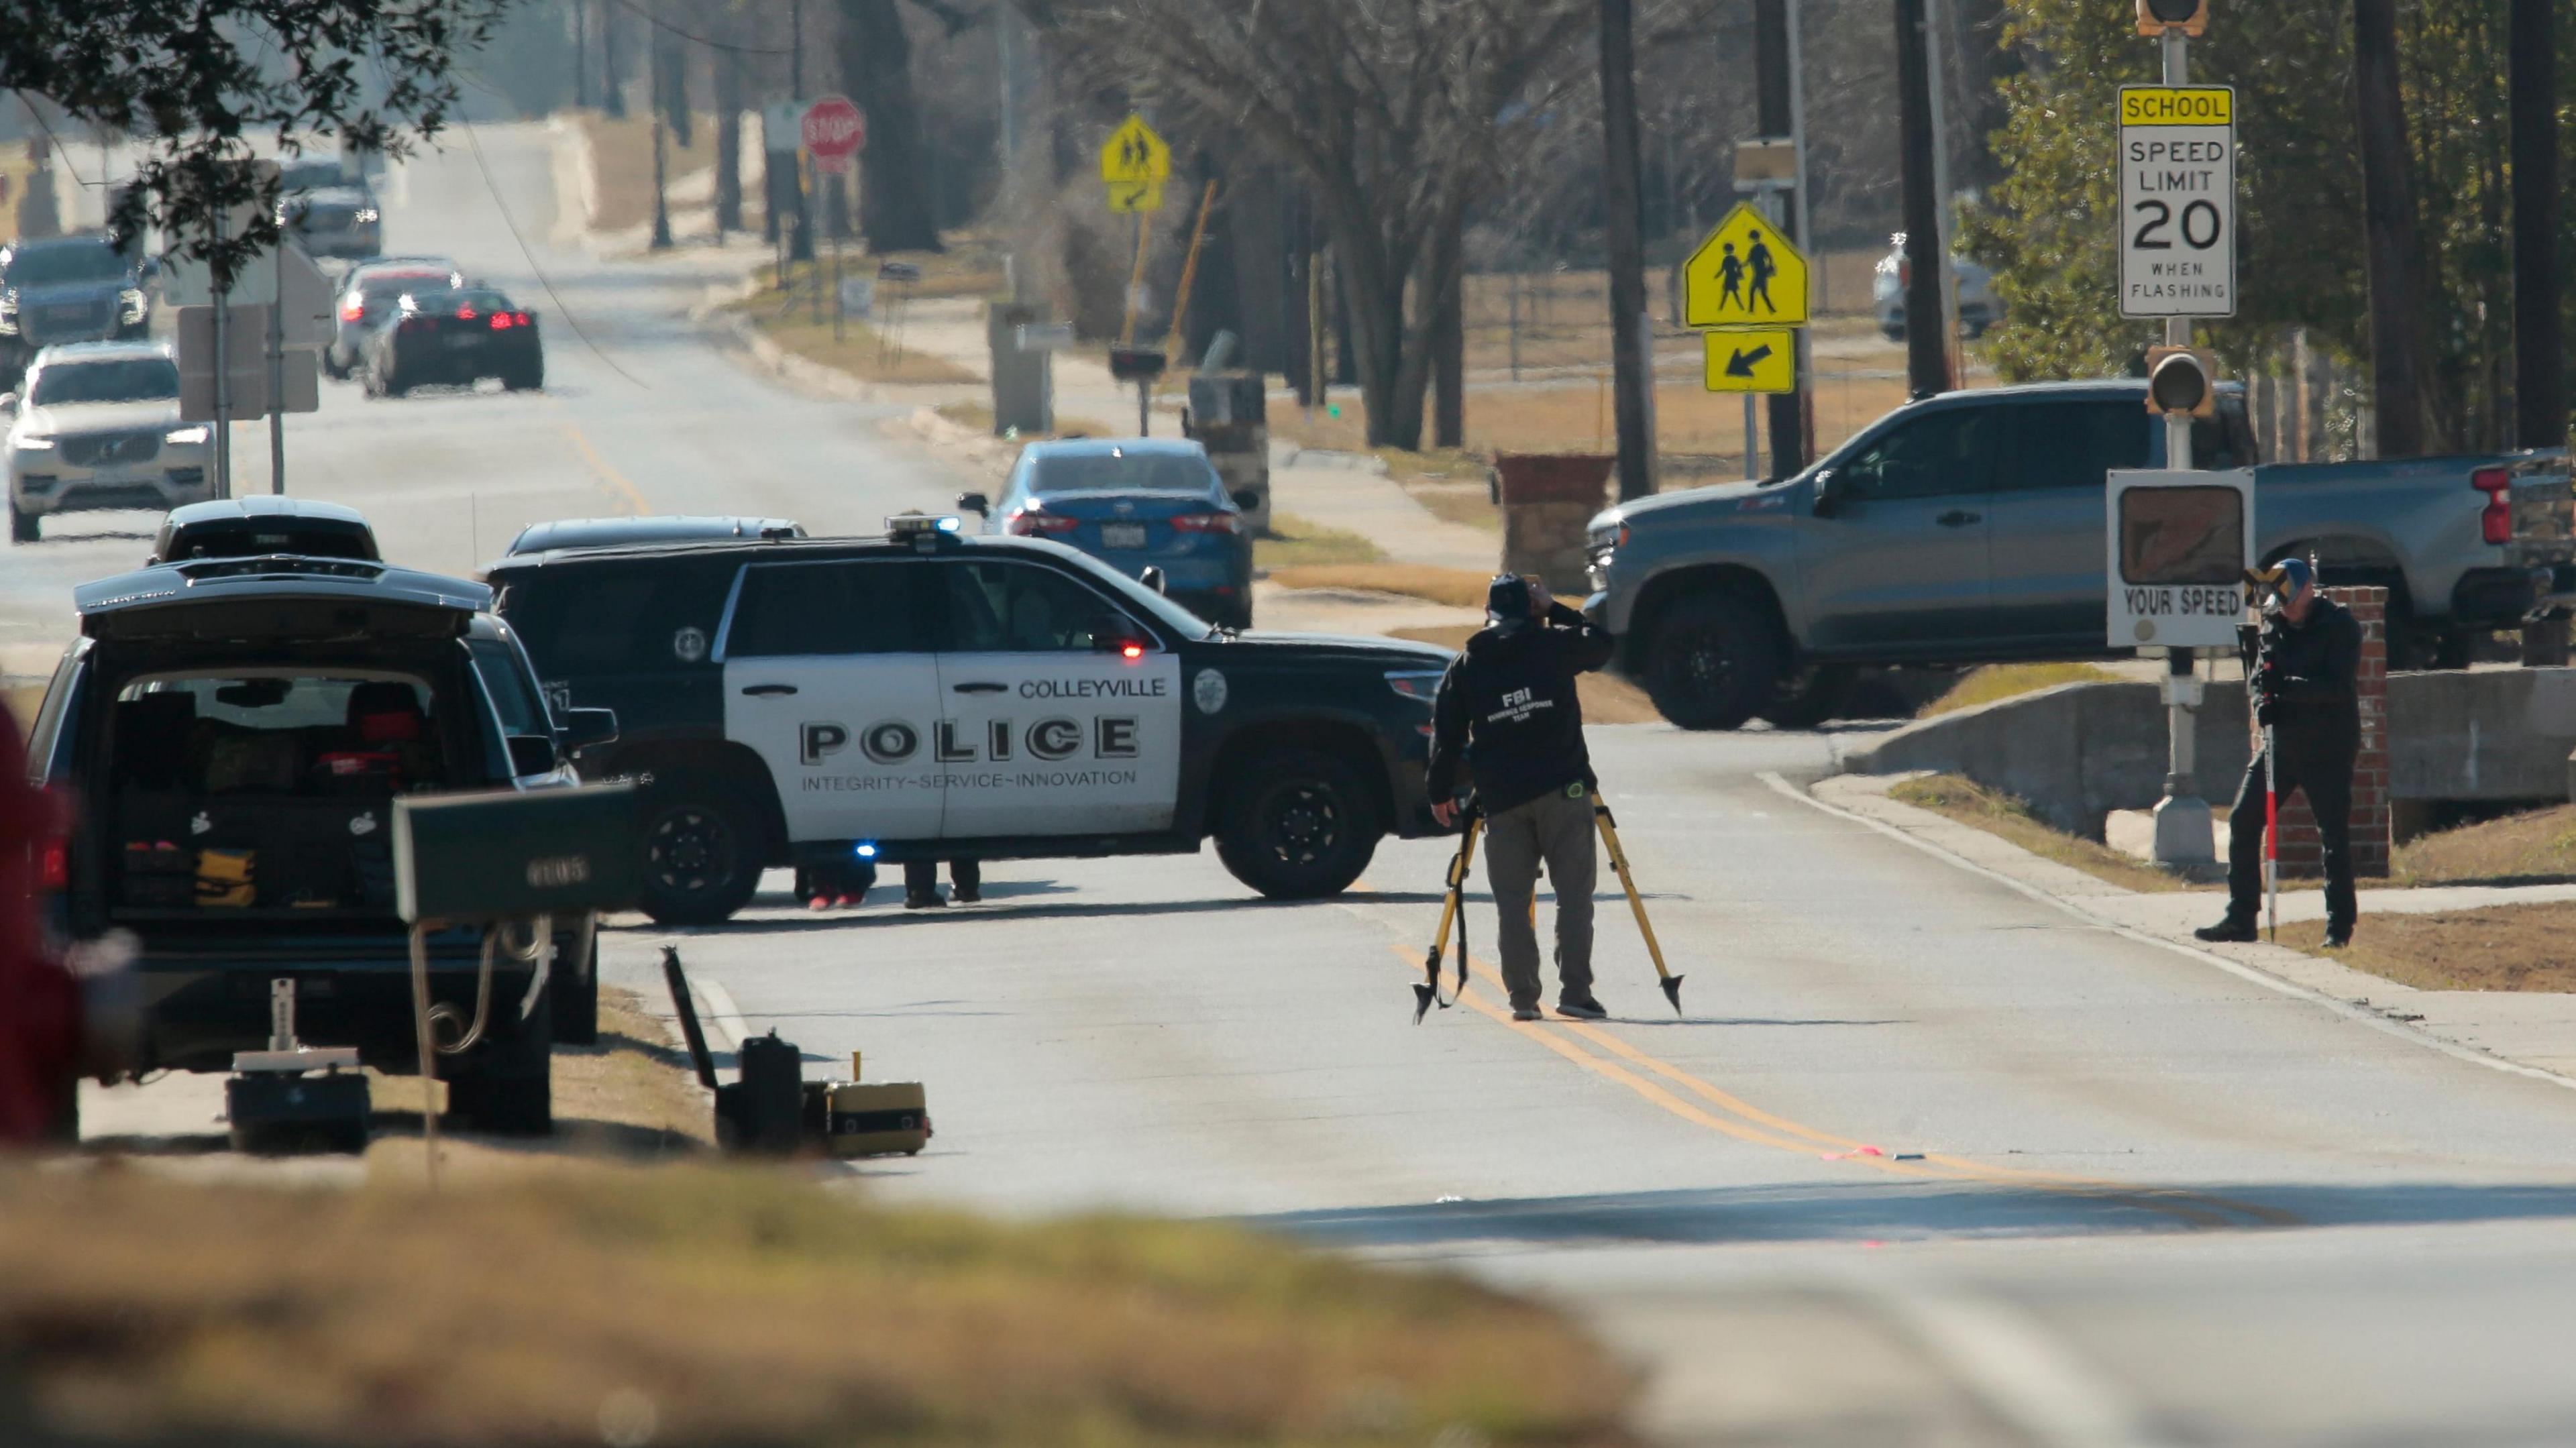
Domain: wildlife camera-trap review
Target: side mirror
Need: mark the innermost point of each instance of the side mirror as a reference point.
(1155, 579)
(1828, 495)
(9, 403)
(974, 503)
(586, 728)
(1248, 501)
(531, 754)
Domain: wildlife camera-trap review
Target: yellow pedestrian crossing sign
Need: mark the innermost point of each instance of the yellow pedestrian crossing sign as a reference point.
(1128, 196)
(1135, 154)
(1755, 359)
(1745, 275)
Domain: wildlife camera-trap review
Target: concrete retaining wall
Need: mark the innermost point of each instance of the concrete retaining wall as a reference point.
(2495, 734)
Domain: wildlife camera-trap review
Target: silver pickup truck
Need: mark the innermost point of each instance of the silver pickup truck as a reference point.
(1967, 528)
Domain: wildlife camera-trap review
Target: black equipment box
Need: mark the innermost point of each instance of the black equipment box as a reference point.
(1228, 399)
(763, 1109)
(283, 1111)
(502, 853)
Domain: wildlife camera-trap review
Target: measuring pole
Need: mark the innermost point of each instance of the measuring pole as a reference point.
(277, 373)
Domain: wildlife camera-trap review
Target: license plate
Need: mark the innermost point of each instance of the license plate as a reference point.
(1122, 535)
(462, 341)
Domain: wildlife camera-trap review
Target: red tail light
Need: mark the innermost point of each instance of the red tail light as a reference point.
(353, 312)
(1208, 523)
(2495, 520)
(1027, 524)
(501, 322)
(466, 314)
(523, 319)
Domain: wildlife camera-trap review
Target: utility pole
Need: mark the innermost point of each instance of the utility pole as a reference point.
(1927, 360)
(581, 54)
(800, 237)
(1632, 360)
(1774, 117)
(653, 62)
(2388, 227)
(2539, 386)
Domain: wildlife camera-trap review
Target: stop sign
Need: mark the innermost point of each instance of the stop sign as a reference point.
(834, 131)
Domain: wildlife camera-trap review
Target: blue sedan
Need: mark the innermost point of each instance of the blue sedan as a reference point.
(1135, 504)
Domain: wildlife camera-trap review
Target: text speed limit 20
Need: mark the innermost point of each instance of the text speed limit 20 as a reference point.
(2178, 201)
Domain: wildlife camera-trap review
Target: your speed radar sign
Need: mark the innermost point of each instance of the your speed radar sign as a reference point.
(2178, 201)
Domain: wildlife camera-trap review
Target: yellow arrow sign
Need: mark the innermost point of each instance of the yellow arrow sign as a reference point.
(1127, 196)
(1746, 274)
(1135, 153)
(1757, 359)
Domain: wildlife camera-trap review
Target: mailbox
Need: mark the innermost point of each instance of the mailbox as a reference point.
(507, 854)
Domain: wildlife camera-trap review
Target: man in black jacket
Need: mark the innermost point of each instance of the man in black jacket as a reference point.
(1507, 711)
(2301, 681)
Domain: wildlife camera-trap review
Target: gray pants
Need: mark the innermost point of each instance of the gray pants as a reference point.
(1558, 830)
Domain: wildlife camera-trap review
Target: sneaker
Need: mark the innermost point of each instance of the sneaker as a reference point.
(2228, 931)
(1585, 1009)
(930, 901)
(960, 895)
(817, 903)
(2338, 936)
(1525, 1013)
(847, 902)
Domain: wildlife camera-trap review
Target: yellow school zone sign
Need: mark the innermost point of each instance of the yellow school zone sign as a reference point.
(1755, 359)
(1745, 275)
(1135, 156)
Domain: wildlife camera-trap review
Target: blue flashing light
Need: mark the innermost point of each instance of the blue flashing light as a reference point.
(864, 851)
(949, 524)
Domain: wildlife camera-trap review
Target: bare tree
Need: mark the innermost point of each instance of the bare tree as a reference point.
(1392, 111)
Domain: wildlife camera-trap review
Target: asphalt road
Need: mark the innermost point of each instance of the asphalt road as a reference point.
(1928, 1162)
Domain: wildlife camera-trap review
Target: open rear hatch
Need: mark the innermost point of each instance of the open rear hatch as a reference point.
(278, 599)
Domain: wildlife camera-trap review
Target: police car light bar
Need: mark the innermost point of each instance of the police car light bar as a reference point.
(909, 524)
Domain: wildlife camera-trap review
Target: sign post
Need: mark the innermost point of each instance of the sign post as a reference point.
(834, 131)
(2177, 240)
(1134, 164)
(1747, 284)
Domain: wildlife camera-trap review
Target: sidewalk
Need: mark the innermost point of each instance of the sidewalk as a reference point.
(2526, 1032)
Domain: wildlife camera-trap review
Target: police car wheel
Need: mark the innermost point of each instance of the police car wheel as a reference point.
(702, 853)
(1715, 662)
(1299, 824)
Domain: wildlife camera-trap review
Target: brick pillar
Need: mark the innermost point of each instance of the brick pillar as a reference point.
(2300, 848)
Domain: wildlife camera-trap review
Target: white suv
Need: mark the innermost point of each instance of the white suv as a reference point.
(97, 426)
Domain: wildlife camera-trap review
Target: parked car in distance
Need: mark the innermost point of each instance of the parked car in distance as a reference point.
(264, 526)
(98, 427)
(372, 293)
(330, 210)
(1135, 504)
(1979, 307)
(453, 337)
(618, 532)
(68, 289)
(1968, 528)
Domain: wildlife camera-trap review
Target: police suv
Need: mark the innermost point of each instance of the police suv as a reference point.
(927, 695)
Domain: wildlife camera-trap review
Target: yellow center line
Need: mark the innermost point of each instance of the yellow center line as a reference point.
(1749, 1123)
(617, 482)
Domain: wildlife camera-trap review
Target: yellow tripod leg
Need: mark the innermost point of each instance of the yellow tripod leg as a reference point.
(1452, 907)
(1672, 983)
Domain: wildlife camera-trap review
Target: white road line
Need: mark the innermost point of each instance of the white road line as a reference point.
(2010, 1362)
(2246, 973)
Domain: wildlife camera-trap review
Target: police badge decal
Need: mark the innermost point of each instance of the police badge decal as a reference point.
(1207, 690)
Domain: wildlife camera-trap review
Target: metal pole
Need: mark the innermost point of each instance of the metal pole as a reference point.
(1752, 442)
(277, 373)
(2183, 833)
(223, 399)
(1798, 145)
(653, 59)
(837, 325)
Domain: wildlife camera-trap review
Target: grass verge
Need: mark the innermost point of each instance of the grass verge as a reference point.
(2009, 818)
(1455, 587)
(705, 1305)
(860, 350)
(1293, 541)
(979, 416)
(2534, 847)
(1992, 682)
(2503, 947)
(1606, 698)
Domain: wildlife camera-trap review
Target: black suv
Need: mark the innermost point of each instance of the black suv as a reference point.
(926, 695)
(236, 731)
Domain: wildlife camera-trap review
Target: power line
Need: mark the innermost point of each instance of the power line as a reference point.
(658, 23)
(475, 143)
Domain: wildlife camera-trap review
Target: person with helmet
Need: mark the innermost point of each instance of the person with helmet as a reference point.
(2302, 682)
(1507, 718)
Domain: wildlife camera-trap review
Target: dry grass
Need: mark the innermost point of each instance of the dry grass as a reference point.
(694, 1305)
(1293, 541)
(1453, 586)
(22, 704)
(2528, 848)
(2504, 947)
(861, 351)
(1993, 682)
(970, 267)
(1606, 698)
(1456, 502)
(2010, 818)
(979, 416)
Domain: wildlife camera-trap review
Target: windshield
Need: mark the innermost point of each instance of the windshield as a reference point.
(458, 301)
(1143, 472)
(1138, 596)
(48, 266)
(309, 175)
(375, 291)
(127, 379)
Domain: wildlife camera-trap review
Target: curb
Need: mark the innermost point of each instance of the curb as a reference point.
(2370, 1000)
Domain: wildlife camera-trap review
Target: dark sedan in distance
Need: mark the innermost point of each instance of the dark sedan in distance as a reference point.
(455, 339)
(1134, 504)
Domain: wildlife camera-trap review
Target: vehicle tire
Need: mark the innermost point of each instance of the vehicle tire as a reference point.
(702, 852)
(394, 385)
(572, 996)
(24, 527)
(531, 380)
(1298, 824)
(333, 370)
(1714, 662)
(505, 1085)
(1809, 696)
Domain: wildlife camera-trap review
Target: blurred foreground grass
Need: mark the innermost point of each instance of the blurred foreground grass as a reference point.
(579, 1303)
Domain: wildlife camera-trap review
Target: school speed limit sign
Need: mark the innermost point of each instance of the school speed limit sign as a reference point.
(2178, 201)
